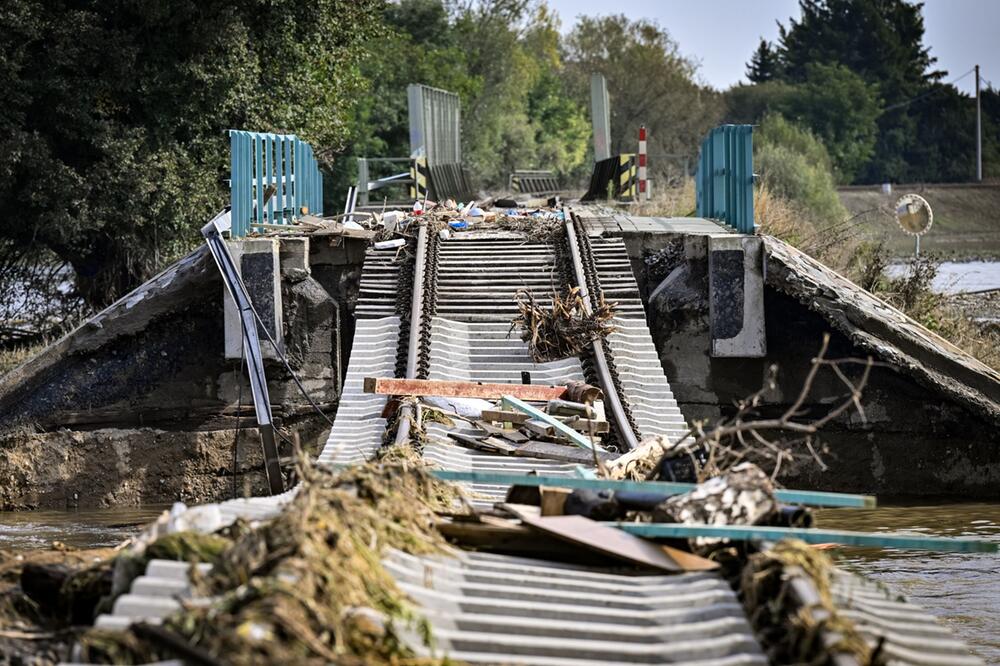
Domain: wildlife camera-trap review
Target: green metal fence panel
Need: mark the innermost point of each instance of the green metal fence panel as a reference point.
(274, 178)
(725, 177)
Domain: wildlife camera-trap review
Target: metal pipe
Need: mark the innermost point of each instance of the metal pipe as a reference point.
(603, 371)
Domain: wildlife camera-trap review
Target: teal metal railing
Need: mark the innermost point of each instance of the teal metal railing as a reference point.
(725, 177)
(274, 179)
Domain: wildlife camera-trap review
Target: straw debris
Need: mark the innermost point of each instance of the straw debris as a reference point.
(798, 631)
(307, 587)
(565, 329)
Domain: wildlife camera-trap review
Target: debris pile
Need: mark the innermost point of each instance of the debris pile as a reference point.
(565, 329)
(786, 594)
(308, 586)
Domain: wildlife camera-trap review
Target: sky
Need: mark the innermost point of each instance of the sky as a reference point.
(721, 34)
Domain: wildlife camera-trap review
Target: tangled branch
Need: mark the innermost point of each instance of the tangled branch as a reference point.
(768, 442)
(563, 330)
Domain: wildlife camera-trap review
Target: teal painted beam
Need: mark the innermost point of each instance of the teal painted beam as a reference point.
(809, 535)
(808, 497)
(510, 402)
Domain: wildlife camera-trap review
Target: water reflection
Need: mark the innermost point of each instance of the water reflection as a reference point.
(95, 528)
(962, 589)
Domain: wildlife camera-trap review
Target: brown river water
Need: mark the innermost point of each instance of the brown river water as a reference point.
(963, 590)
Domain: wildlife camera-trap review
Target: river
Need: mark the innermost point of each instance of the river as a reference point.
(963, 590)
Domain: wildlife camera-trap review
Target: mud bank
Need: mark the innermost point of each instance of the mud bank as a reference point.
(141, 403)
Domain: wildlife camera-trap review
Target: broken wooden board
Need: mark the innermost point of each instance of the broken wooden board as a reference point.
(455, 389)
(511, 401)
(513, 435)
(559, 452)
(500, 416)
(488, 444)
(617, 544)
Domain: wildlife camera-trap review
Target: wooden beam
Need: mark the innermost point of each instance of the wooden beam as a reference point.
(512, 402)
(810, 535)
(809, 497)
(449, 389)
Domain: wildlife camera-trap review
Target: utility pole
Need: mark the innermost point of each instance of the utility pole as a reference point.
(979, 132)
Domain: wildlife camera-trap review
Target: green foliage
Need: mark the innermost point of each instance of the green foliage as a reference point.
(764, 64)
(794, 164)
(841, 110)
(502, 59)
(649, 82)
(114, 124)
(865, 86)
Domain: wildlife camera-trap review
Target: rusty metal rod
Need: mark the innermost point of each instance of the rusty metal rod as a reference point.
(603, 371)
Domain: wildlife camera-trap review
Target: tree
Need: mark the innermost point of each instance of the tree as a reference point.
(842, 111)
(794, 164)
(763, 65)
(882, 42)
(649, 82)
(114, 126)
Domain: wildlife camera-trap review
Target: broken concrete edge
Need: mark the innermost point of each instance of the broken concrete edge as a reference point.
(130, 313)
(886, 332)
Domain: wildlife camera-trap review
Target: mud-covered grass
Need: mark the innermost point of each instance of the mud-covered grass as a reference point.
(309, 586)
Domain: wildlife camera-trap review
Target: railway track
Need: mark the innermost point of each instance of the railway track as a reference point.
(442, 310)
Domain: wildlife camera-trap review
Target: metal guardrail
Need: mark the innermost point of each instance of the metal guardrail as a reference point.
(532, 182)
(725, 177)
(274, 179)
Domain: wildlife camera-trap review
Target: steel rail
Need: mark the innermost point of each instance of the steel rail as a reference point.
(413, 347)
(600, 360)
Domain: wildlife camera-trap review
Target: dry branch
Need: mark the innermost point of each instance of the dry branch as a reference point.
(565, 329)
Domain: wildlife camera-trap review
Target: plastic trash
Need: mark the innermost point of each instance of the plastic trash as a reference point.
(418, 208)
(475, 211)
(389, 244)
(391, 219)
(458, 224)
(470, 408)
(444, 234)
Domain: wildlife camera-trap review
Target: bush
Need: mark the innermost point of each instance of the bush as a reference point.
(792, 163)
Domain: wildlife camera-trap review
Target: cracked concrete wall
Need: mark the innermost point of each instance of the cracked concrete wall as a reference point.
(139, 404)
(915, 440)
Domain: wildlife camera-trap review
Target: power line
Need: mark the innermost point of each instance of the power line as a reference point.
(927, 94)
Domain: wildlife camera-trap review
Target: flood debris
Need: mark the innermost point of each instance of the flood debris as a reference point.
(307, 586)
(563, 330)
(786, 592)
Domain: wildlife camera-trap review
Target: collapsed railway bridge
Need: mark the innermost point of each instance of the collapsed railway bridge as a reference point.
(323, 309)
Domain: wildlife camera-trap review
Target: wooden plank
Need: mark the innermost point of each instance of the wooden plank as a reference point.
(512, 435)
(811, 535)
(504, 417)
(511, 401)
(581, 424)
(454, 389)
(609, 541)
(559, 452)
(808, 497)
(490, 444)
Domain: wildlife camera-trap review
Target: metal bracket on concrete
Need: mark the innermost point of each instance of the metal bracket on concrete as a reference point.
(736, 296)
(251, 342)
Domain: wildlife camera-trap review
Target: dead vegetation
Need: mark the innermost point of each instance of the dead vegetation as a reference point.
(794, 620)
(307, 587)
(565, 329)
(769, 442)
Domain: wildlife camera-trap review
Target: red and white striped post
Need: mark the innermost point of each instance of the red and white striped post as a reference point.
(643, 190)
